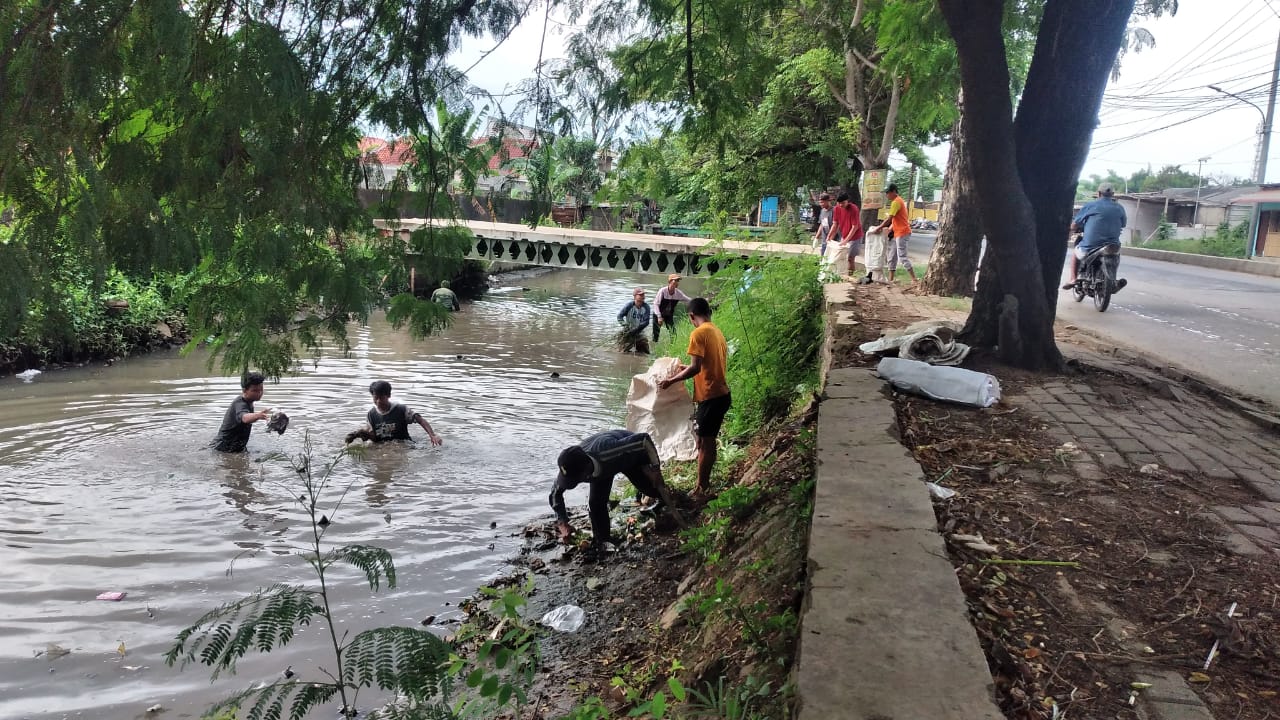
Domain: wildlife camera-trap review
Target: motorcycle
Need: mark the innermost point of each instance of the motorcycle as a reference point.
(1096, 276)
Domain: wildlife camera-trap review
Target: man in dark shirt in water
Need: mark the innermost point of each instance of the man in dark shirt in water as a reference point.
(390, 421)
(233, 436)
(596, 460)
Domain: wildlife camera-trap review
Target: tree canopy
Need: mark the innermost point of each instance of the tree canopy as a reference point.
(216, 141)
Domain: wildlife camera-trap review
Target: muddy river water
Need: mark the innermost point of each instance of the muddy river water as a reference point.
(106, 485)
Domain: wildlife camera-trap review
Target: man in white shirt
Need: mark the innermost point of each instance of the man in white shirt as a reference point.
(666, 301)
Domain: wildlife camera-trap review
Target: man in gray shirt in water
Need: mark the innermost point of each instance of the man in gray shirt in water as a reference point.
(238, 422)
(390, 421)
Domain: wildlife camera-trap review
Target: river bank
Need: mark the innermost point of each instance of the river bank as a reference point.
(713, 607)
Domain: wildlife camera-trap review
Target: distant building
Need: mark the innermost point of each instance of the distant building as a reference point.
(1258, 206)
(507, 166)
(1180, 206)
(382, 160)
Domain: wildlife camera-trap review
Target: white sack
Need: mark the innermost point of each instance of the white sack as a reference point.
(874, 247)
(951, 384)
(664, 414)
(835, 264)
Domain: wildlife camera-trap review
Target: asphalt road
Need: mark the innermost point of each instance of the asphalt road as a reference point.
(1222, 325)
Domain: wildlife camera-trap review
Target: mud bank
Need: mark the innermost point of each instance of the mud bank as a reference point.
(714, 605)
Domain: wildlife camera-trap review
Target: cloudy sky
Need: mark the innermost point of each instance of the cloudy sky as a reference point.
(1160, 111)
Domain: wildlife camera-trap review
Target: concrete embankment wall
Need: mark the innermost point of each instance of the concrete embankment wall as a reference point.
(884, 630)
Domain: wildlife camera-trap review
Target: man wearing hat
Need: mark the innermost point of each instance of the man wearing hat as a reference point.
(596, 461)
(1101, 221)
(666, 301)
(634, 317)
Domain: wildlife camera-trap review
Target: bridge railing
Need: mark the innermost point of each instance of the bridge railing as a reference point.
(599, 250)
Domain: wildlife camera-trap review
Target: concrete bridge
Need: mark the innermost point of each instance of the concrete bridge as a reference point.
(598, 250)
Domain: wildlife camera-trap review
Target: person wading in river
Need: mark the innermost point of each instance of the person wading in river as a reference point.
(237, 424)
(596, 460)
(634, 317)
(708, 354)
(446, 297)
(389, 420)
(666, 301)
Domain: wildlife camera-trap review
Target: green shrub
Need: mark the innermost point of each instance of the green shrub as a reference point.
(770, 311)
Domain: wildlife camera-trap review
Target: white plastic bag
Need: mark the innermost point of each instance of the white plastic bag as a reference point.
(951, 384)
(835, 263)
(664, 414)
(566, 618)
(874, 248)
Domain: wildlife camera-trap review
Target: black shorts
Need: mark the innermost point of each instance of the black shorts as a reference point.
(709, 416)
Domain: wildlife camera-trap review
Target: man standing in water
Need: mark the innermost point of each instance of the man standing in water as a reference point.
(634, 317)
(596, 460)
(667, 300)
(708, 355)
(446, 297)
(389, 420)
(233, 435)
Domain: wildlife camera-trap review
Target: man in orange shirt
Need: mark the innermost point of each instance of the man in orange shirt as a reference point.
(708, 354)
(896, 248)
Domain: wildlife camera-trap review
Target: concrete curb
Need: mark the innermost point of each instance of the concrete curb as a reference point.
(885, 632)
(1252, 267)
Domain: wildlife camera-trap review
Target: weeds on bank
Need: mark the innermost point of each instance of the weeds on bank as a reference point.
(1226, 241)
(770, 311)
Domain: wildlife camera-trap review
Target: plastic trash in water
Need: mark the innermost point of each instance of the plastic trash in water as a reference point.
(27, 375)
(566, 618)
(111, 595)
(951, 384)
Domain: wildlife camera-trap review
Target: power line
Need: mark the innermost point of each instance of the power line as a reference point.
(1265, 49)
(1175, 69)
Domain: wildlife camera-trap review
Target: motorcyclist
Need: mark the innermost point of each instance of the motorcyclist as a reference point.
(1100, 221)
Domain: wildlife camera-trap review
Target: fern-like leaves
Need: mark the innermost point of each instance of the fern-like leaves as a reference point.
(262, 621)
(272, 702)
(373, 561)
(398, 658)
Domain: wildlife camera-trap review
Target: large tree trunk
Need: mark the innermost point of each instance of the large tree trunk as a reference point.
(954, 259)
(1020, 172)
(1016, 313)
(1076, 49)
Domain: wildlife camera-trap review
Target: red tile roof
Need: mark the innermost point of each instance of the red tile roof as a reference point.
(400, 150)
(387, 152)
(512, 149)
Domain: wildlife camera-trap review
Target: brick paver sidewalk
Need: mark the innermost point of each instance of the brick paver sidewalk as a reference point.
(1126, 426)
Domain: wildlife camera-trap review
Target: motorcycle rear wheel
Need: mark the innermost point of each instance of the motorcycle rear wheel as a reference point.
(1102, 296)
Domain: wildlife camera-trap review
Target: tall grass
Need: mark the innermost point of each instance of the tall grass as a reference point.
(770, 311)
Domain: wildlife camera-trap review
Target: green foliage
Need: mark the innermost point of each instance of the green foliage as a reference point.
(78, 323)
(504, 658)
(770, 311)
(1164, 229)
(1226, 241)
(262, 621)
(709, 538)
(410, 662)
(231, 162)
(735, 702)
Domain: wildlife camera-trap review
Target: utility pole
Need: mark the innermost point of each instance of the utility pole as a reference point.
(1195, 214)
(1266, 123)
